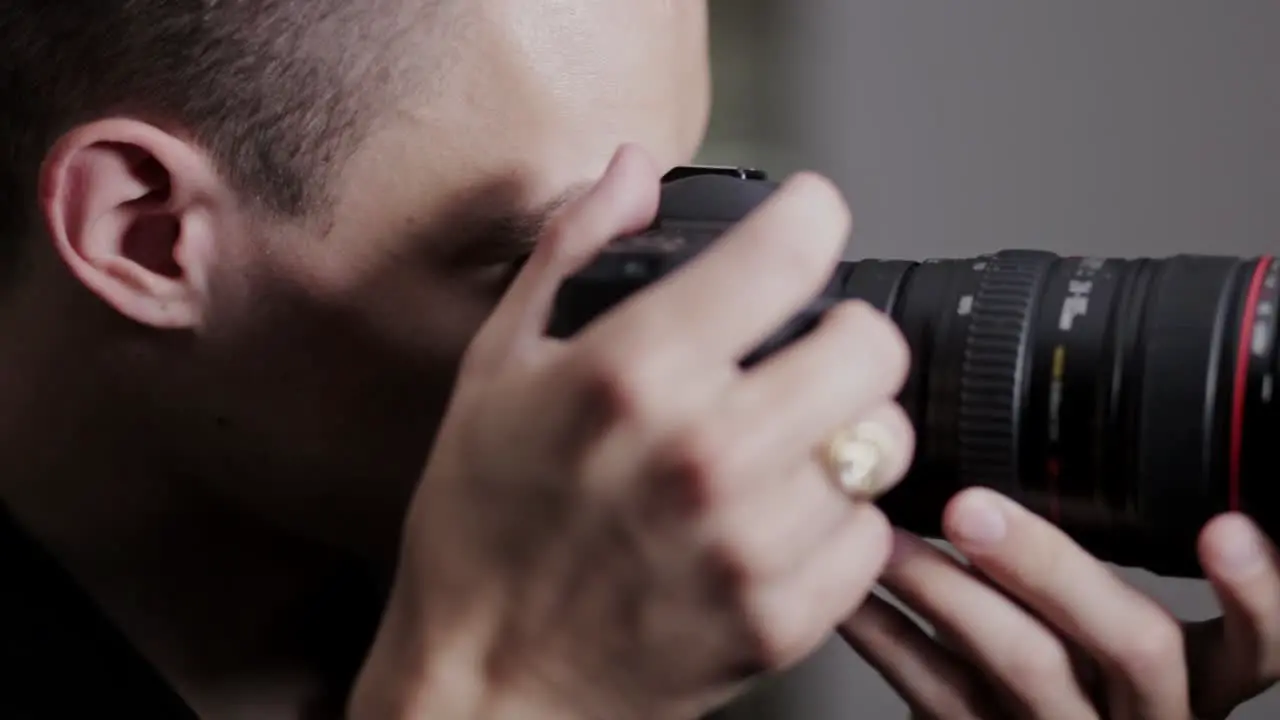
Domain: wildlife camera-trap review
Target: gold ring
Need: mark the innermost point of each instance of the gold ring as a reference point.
(854, 460)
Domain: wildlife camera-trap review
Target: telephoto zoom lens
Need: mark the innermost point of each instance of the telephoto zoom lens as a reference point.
(1127, 401)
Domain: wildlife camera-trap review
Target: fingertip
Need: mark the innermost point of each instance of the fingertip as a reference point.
(1240, 562)
(632, 180)
(817, 186)
(819, 190)
(1232, 547)
(623, 200)
(633, 155)
(632, 163)
(976, 518)
(625, 156)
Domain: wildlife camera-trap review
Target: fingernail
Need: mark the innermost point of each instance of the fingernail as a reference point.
(978, 519)
(1239, 551)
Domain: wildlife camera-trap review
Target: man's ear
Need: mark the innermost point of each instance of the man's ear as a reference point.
(134, 213)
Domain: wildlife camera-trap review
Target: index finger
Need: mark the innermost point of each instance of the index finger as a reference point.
(623, 201)
(1237, 655)
(1034, 561)
(745, 286)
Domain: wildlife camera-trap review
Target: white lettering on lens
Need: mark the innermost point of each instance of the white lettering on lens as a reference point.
(1076, 305)
(1261, 339)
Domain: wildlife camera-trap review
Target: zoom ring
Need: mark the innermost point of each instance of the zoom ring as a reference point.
(994, 368)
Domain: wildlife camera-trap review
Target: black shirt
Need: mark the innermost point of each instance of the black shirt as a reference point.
(61, 658)
(59, 655)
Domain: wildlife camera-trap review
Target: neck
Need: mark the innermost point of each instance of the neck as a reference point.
(226, 608)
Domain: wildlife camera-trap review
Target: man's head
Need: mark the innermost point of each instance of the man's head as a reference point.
(273, 225)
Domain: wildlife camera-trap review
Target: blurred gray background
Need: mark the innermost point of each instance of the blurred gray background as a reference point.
(1143, 127)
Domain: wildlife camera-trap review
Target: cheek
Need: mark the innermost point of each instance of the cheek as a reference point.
(427, 320)
(375, 303)
(333, 380)
(405, 315)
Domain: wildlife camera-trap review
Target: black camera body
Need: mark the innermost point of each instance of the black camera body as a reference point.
(698, 204)
(1127, 400)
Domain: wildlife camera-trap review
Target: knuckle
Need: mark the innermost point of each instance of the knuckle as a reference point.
(873, 534)
(740, 559)
(1038, 664)
(696, 465)
(614, 388)
(777, 632)
(858, 317)
(872, 331)
(730, 567)
(1151, 650)
(817, 222)
(822, 198)
(898, 354)
(780, 641)
(897, 416)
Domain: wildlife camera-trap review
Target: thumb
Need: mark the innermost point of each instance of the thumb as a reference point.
(1238, 656)
(624, 200)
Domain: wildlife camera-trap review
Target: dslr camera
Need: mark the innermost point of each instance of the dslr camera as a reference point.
(1126, 400)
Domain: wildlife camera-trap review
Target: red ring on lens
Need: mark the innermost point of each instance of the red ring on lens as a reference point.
(1241, 383)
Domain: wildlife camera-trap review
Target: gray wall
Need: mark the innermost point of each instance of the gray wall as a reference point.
(1142, 127)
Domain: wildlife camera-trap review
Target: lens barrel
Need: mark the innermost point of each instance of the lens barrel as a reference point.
(1128, 401)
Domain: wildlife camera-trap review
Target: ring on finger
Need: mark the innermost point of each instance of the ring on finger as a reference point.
(854, 458)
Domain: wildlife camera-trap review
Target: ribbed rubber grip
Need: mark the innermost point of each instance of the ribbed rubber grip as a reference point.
(996, 360)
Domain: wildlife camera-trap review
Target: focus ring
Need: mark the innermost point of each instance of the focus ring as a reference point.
(994, 369)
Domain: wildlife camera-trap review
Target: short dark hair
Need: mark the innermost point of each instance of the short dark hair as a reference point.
(277, 91)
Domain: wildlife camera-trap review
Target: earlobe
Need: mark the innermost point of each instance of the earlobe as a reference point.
(131, 211)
